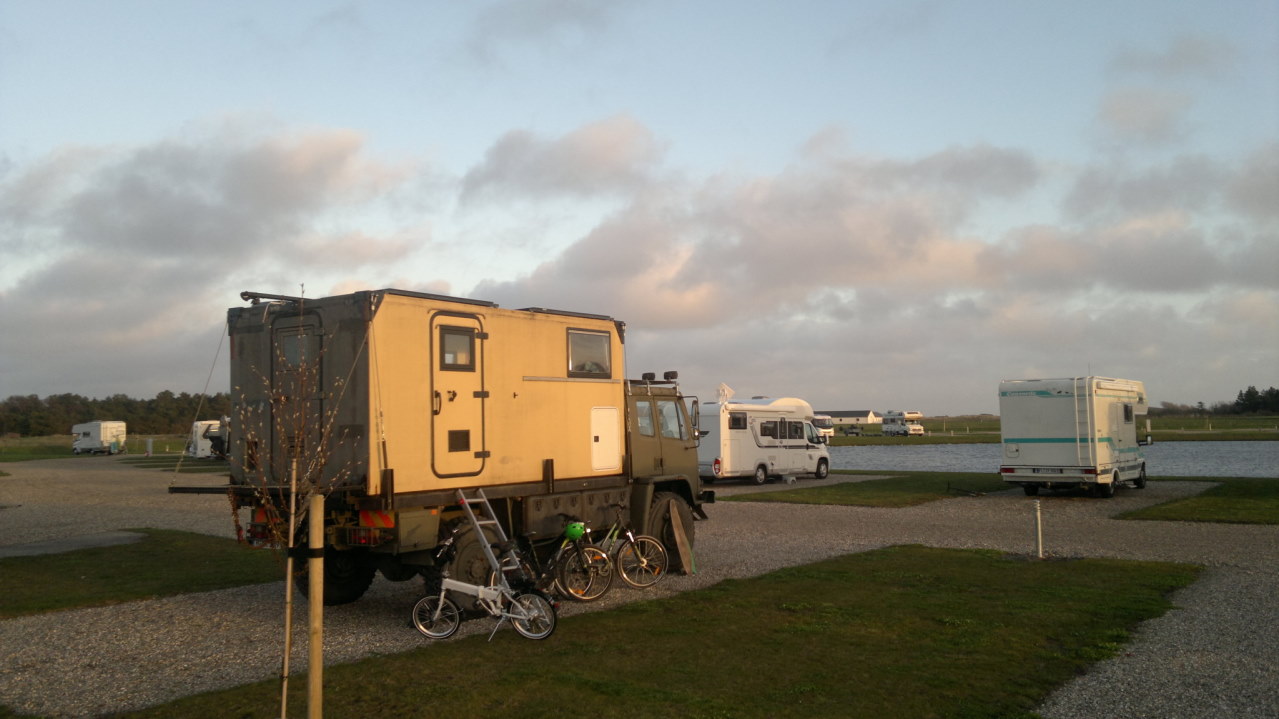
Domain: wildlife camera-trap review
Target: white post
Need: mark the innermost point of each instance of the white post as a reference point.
(1039, 531)
(315, 569)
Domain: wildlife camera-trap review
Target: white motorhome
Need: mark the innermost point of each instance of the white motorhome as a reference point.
(98, 437)
(902, 423)
(1071, 433)
(208, 438)
(825, 424)
(760, 438)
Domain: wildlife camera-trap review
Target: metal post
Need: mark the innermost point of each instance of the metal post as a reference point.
(1039, 531)
(288, 593)
(315, 568)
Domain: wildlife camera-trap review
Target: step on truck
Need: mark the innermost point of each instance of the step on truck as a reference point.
(760, 439)
(1074, 433)
(391, 401)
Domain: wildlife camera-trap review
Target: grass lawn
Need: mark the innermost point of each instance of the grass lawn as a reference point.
(900, 490)
(901, 632)
(1236, 500)
(163, 563)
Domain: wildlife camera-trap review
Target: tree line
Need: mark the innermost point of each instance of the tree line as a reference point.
(166, 413)
(1248, 401)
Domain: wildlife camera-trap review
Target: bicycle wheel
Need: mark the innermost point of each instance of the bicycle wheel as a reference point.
(641, 563)
(534, 615)
(435, 619)
(585, 574)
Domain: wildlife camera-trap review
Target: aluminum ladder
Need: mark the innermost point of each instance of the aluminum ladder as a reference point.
(1085, 442)
(486, 517)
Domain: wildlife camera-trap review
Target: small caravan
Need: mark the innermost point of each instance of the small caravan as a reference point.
(760, 438)
(98, 437)
(1075, 432)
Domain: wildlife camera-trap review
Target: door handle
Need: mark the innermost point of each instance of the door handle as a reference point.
(437, 404)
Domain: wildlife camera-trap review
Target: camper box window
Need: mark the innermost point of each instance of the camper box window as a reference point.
(1127, 414)
(297, 348)
(737, 420)
(457, 349)
(588, 354)
(768, 428)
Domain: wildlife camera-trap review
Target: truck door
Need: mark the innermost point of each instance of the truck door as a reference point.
(457, 395)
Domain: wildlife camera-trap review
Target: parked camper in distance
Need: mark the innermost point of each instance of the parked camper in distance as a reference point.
(902, 424)
(1074, 432)
(98, 437)
(825, 424)
(760, 438)
(208, 438)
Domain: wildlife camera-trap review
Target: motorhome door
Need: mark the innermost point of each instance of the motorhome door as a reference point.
(457, 395)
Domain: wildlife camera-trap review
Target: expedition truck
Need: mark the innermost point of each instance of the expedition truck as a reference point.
(902, 424)
(1079, 432)
(760, 438)
(393, 401)
(98, 437)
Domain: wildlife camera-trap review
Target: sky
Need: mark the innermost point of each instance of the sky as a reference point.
(869, 205)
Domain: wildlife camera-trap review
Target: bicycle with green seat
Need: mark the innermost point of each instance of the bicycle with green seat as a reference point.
(577, 569)
(640, 559)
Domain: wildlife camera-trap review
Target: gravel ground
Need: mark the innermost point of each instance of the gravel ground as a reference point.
(1213, 656)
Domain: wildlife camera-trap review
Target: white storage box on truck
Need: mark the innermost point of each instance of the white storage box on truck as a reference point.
(98, 437)
(1078, 432)
(391, 402)
(760, 438)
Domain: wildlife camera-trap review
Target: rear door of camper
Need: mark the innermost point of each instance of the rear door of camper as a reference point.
(457, 394)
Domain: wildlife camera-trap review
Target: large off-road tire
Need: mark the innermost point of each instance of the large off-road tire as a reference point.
(470, 564)
(347, 575)
(659, 524)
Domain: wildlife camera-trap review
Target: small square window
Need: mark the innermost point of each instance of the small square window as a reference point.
(457, 349)
(737, 420)
(589, 354)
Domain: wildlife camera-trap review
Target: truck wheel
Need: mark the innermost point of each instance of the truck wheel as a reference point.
(347, 576)
(659, 524)
(823, 469)
(761, 474)
(1141, 478)
(1030, 489)
(470, 564)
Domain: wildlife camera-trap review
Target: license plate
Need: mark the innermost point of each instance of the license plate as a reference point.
(1046, 470)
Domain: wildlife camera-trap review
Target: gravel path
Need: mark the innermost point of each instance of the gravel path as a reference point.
(1213, 656)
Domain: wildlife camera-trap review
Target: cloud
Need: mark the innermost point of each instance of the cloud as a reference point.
(613, 155)
(1183, 56)
(1144, 115)
(133, 251)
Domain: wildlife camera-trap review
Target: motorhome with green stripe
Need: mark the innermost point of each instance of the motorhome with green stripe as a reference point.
(1077, 432)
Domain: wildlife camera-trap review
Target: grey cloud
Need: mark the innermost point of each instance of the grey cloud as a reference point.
(1254, 190)
(1187, 183)
(614, 155)
(1183, 56)
(1143, 115)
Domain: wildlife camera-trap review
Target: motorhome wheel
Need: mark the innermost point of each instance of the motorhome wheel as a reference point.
(761, 474)
(1141, 478)
(823, 469)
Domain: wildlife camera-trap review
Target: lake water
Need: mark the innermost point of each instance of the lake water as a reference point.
(1163, 459)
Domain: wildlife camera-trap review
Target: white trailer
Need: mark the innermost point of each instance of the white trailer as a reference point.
(1078, 432)
(902, 423)
(760, 438)
(98, 437)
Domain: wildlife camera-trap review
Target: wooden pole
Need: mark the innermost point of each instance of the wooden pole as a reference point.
(315, 671)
